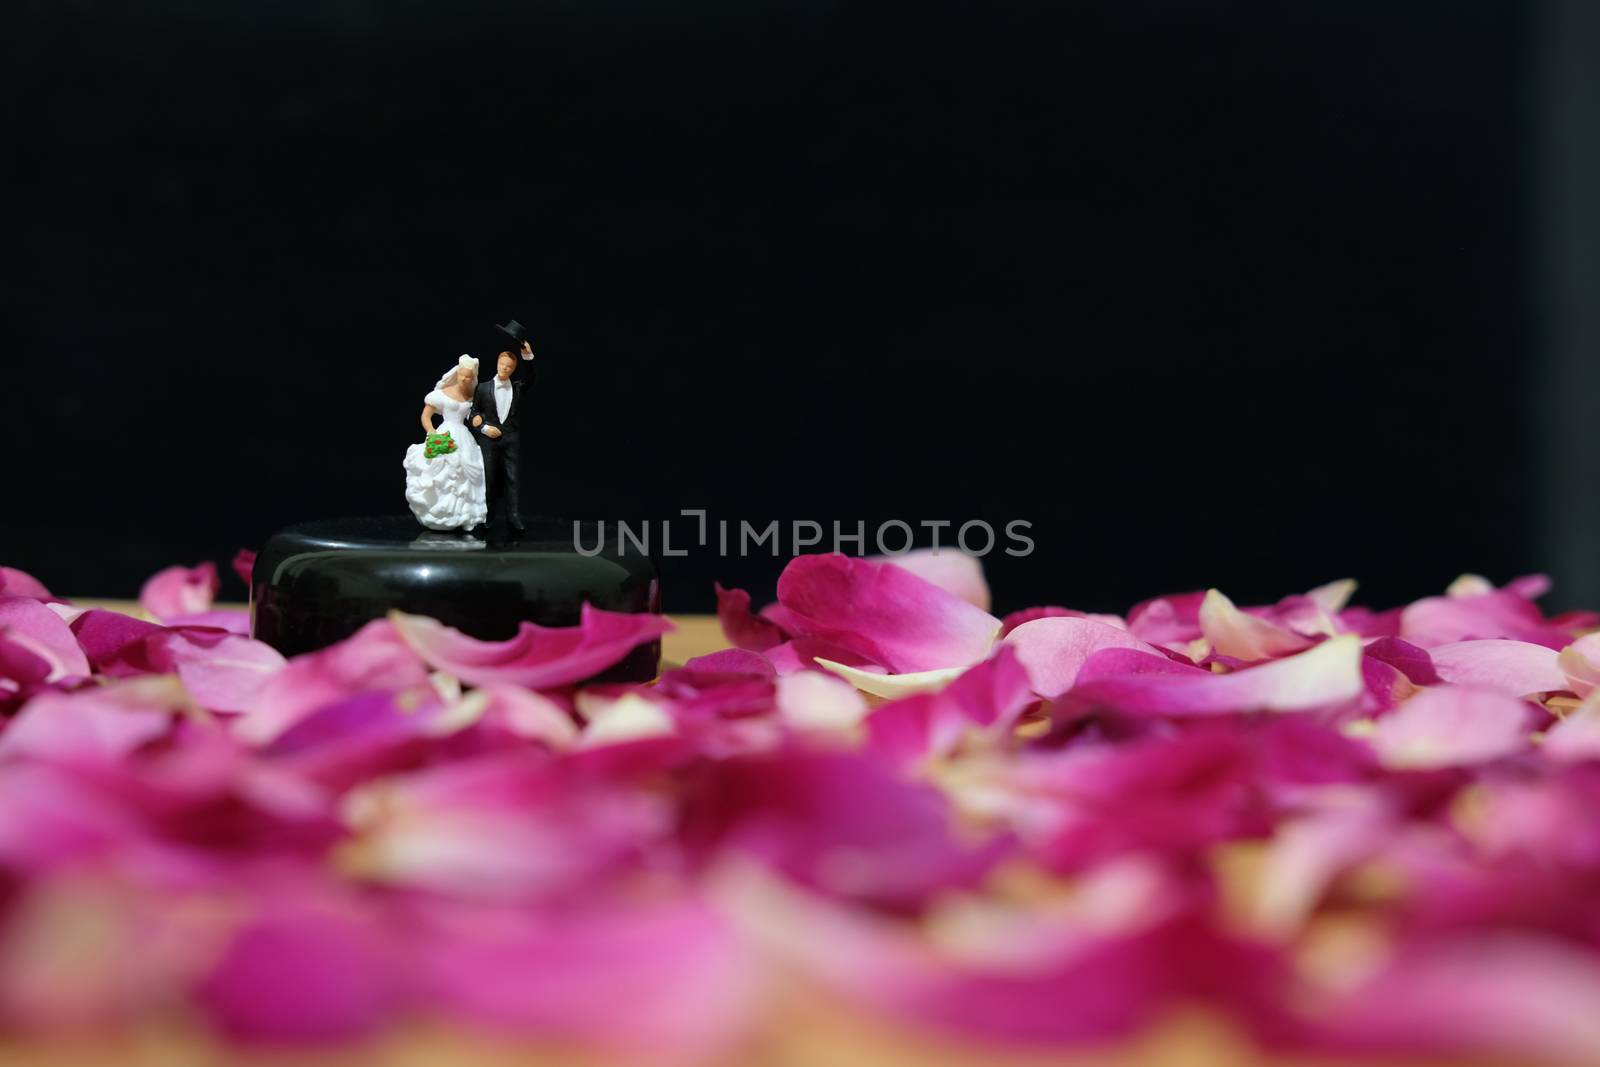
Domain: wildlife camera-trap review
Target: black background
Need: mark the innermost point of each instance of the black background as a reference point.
(1227, 294)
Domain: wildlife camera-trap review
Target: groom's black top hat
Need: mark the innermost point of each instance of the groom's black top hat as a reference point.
(514, 328)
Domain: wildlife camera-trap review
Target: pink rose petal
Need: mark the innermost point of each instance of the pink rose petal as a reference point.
(1169, 621)
(99, 724)
(814, 701)
(1044, 611)
(501, 826)
(528, 715)
(19, 583)
(1050, 611)
(1515, 668)
(954, 571)
(1452, 726)
(1137, 683)
(1526, 998)
(1054, 650)
(51, 816)
(223, 671)
(32, 626)
(180, 591)
(1478, 612)
(1576, 738)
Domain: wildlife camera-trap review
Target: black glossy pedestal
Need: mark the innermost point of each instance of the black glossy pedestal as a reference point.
(319, 582)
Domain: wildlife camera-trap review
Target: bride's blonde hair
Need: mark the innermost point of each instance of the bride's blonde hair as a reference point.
(468, 363)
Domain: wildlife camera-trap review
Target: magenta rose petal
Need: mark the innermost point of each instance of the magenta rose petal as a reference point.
(885, 613)
(1387, 685)
(839, 823)
(346, 742)
(244, 563)
(22, 672)
(180, 591)
(374, 657)
(720, 666)
(993, 693)
(988, 697)
(52, 816)
(667, 979)
(743, 629)
(113, 641)
(1162, 795)
(539, 656)
(304, 967)
(1413, 662)
(804, 653)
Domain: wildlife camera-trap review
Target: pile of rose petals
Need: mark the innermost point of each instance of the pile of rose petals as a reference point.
(1339, 830)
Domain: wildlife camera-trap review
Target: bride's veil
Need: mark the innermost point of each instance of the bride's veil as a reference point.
(449, 378)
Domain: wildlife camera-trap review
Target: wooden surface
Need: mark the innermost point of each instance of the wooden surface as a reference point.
(802, 1028)
(695, 636)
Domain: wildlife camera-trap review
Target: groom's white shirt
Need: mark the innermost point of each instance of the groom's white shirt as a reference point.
(502, 397)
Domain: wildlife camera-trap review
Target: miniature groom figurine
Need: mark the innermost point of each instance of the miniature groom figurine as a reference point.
(496, 405)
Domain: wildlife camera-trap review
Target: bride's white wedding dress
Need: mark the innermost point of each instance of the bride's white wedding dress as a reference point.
(447, 492)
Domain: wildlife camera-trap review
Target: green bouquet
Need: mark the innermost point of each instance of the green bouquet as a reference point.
(439, 444)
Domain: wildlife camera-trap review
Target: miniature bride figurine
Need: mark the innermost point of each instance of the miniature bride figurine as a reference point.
(444, 474)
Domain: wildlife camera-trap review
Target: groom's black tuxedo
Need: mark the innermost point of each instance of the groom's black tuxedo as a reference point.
(500, 454)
